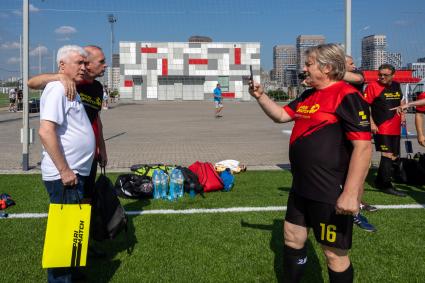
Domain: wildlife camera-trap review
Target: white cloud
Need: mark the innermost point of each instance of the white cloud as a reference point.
(366, 28)
(13, 60)
(17, 12)
(65, 30)
(39, 50)
(10, 45)
(3, 15)
(34, 8)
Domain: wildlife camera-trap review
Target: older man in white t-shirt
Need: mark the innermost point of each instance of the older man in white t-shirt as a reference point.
(67, 138)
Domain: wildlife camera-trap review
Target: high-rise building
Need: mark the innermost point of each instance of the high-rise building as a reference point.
(285, 65)
(394, 59)
(303, 43)
(418, 69)
(114, 73)
(421, 60)
(373, 51)
(187, 70)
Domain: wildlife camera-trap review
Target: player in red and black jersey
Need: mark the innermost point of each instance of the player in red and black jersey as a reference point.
(330, 151)
(383, 95)
(355, 77)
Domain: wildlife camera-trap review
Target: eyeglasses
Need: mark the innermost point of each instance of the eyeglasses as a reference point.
(384, 75)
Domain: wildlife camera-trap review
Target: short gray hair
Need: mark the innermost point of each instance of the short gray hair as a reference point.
(66, 50)
(332, 55)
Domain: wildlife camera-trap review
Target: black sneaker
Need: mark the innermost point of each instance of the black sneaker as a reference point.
(362, 222)
(367, 207)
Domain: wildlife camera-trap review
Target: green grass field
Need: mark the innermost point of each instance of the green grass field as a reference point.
(217, 247)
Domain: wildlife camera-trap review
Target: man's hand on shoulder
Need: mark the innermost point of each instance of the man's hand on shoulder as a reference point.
(69, 85)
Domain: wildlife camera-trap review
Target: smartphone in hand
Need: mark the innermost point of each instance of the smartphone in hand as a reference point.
(251, 77)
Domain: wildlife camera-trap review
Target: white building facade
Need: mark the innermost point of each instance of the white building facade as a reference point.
(418, 69)
(186, 70)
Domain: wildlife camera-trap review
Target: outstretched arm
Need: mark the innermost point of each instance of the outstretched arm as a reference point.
(40, 81)
(353, 78)
(419, 123)
(271, 108)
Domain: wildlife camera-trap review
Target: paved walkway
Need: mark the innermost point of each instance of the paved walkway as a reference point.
(172, 133)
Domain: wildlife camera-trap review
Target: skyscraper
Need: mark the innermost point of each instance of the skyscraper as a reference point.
(285, 65)
(394, 59)
(303, 43)
(374, 51)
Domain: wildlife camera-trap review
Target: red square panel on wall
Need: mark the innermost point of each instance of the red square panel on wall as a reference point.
(164, 67)
(128, 83)
(228, 94)
(237, 56)
(148, 50)
(198, 61)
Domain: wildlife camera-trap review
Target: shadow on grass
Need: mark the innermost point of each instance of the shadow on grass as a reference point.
(313, 272)
(284, 189)
(103, 269)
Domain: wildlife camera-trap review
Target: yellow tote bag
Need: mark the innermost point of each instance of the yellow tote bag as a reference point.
(67, 235)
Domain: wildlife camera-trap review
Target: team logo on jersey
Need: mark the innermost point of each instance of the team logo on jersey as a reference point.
(392, 95)
(384, 147)
(306, 109)
(362, 115)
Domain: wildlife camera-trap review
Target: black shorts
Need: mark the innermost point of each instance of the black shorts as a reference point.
(12, 100)
(387, 143)
(330, 229)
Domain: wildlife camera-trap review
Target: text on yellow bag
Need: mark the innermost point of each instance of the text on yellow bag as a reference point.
(67, 235)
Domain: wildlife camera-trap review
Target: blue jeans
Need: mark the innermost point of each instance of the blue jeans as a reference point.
(55, 189)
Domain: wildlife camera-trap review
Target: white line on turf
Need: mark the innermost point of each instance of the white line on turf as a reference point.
(212, 210)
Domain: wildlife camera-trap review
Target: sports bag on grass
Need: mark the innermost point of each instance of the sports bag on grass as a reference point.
(147, 169)
(134, 186)
(228, 179)
(109, 217)
(67, 235)
(208, 177)
(190, 181)
(408, 170)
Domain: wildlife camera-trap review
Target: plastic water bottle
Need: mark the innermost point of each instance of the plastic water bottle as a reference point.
(164, 184)
(156, 179)
(179, 181)
(172, 193)
(192, 192)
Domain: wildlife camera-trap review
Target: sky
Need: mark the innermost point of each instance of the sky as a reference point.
(54, 23)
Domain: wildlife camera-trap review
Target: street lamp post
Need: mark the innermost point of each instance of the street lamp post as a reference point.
(348, 27)
(112, 20)
(25, 118)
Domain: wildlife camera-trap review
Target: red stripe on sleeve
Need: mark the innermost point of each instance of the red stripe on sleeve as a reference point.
(288, 110)
(358, 136)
